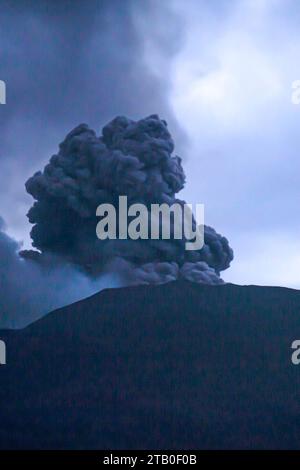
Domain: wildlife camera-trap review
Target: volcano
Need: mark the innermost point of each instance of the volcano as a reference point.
(173, 366)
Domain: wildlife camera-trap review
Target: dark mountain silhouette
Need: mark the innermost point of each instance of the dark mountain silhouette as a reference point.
(175, 366)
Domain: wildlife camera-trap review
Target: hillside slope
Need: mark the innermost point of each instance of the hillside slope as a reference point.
(176, 366)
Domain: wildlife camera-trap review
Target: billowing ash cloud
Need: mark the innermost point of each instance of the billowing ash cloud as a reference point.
(132, 158)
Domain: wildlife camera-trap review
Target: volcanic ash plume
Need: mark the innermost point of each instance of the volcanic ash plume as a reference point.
(133, 159)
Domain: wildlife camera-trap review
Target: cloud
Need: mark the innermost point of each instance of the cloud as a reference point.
(130, 158)
(68, 62)
(75, 61)
(231, 92)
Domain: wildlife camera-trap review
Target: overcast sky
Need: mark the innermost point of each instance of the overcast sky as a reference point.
(220, 72)
(231, 92)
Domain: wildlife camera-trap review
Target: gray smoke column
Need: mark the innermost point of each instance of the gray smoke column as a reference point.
(132, 158)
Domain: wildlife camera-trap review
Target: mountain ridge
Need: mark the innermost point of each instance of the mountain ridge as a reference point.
(174, 366)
